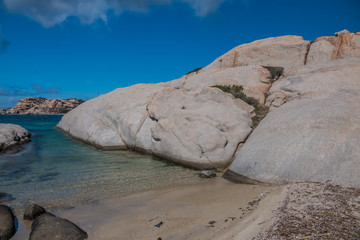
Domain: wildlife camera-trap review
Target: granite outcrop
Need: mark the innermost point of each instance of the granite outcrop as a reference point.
(311, 132)
(42, 106)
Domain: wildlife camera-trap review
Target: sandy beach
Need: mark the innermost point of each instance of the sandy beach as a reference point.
(217, 209)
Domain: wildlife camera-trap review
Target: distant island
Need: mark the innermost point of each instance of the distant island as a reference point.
(42, 106)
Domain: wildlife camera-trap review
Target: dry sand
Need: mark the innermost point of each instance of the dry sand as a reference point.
(217, 209)
(222, 210)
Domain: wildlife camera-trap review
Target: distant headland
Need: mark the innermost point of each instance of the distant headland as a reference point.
(42, 106)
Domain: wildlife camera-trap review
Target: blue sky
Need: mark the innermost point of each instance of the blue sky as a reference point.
(84, 48)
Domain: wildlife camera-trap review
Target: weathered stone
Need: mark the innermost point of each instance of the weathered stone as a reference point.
(306, 140)
(329, 48)
(12, 135)
(254, 79)
(341, 33)
(199, 128)
(114, 120)
(287, 51)
(7, 223)
(32, 211)
(49, 227)
(316, 81)
(38, 105)
(314, 135)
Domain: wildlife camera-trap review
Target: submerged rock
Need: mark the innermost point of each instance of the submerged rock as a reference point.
(12, 135)
(49, 227)
(7, 223)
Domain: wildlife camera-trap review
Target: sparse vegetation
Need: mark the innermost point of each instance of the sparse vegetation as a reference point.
(275, 72)
(194, 71)
(237, 92)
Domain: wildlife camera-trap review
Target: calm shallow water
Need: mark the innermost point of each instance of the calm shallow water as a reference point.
(57, 171)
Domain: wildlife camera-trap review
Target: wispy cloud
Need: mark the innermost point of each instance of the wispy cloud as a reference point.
(52, 12)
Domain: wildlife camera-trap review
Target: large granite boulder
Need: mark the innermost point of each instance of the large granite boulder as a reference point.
(7, 223)
(49, 227)
(287, 51)
(199, 128)
(189, 122)
(314, 135)
(11, 136)
(186, 120)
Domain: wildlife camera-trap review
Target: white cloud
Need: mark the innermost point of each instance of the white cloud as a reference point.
(51, 12)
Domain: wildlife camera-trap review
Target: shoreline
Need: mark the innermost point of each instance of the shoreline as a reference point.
(221, 210)
(209, 210)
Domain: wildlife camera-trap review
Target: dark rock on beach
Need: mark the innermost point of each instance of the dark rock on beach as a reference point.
(32, 211)
(49, 227)
(7, 223)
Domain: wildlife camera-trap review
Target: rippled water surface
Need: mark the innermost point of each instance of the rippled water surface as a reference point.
(57, 171)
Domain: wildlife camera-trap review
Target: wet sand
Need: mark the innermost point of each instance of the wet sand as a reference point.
(217, 209)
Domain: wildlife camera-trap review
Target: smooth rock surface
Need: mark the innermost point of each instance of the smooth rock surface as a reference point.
(49, 227)
(255, 80)
(199, 128)
(313, 130)
(7, 223)
(305, 140)
(317, 81)
(12, 135)
(286, 51)
(32, 211)
(38, 105)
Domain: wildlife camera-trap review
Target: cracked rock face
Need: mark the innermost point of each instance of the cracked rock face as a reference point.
(346, 45)
(12, 135)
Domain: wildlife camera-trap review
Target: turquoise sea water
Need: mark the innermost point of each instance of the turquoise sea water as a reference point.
(56, 171)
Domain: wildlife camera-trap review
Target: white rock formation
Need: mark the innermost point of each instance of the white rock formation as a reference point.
(12, 135)
(313, 130)
(311, 134)
(287, 51)
(316, 81)
(199, 128)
